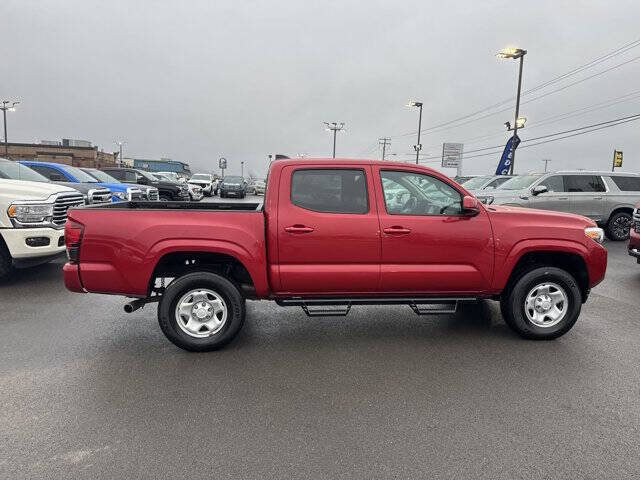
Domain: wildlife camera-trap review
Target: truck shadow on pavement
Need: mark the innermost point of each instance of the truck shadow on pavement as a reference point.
(45, 273)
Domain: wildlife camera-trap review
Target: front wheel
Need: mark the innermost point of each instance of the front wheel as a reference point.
(201, 311)
(618, 226)
(543, 304)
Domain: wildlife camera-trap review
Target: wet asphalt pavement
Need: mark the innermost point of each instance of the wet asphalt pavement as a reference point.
(87, 391)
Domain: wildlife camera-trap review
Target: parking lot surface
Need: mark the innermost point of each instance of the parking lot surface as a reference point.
(88, 391)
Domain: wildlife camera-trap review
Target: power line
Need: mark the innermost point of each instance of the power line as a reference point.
(589, 128)
(579, 69)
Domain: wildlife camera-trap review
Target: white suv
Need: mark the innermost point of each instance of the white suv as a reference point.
(32, 218)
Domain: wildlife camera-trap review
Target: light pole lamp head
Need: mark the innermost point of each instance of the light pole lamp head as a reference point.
(508, 125)
(414, 104)
(511, 52)
(521, 121)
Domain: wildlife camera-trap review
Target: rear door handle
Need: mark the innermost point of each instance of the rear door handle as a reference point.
(396, 230)
(298, 229)
(597, 198)
(563, 198)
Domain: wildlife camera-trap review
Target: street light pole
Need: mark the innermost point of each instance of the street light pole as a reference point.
(120, 144)
(5, 106)
(242, 169)
(546, 162)
(515, 53)
(417, 147)
(335, 128)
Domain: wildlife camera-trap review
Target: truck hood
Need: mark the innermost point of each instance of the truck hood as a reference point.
(528, 216)
(26, 190)
(81, 187)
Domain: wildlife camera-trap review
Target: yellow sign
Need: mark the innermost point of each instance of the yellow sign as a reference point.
(617, 158)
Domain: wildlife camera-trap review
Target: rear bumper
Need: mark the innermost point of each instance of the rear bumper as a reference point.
(71, 274)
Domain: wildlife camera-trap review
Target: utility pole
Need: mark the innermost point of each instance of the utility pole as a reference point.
(418, 146)
(514, 53)
(334, 127)
(384, 142)
(546, 161)
(12, 108)
(120, 144)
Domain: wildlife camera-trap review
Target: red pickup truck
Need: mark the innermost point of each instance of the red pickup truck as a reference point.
(332, 234)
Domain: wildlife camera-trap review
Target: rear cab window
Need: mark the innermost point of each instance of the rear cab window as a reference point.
(330, 190)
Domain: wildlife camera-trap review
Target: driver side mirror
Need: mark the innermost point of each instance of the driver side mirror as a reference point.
(538, 189)
(470, 205)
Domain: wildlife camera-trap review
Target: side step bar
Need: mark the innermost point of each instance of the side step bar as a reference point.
(340, 307)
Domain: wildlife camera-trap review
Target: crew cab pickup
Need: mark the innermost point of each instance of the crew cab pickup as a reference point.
(634, 234)
(333, 234)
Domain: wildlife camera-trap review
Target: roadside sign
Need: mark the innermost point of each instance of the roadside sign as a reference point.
(222, 163)
(452, 155)
(617, 158)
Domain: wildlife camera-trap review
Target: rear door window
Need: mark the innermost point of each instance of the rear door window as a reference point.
(330, 190)
(584, 183)
(627, 184)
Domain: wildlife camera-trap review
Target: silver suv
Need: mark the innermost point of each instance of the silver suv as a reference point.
(606, 197)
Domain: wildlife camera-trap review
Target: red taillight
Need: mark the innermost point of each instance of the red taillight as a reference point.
(72, 237)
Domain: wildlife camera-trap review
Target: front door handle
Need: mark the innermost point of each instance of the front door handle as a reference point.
(597, 198)
(563, 198)
(396, 230)
(298, 229)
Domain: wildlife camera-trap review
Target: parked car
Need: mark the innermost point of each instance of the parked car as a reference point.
(205, 181)
(485, 182)
(195, 192)
(233, 186)
(463, 178)
(92, 191)
(166, 190)
(133, 192)
(32, 217)
(634, 234)
(257, 187)
(608, 198)
(334, 242)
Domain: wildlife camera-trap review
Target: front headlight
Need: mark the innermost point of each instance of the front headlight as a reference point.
(595, 233)
(120, 195)
(30, 214)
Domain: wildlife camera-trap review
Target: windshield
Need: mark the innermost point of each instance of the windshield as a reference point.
(164, 178)
(99, 175)
(520, 182)
(15, 171)
(201, 176)
(80, 175)
(233, 179)
(476, 182)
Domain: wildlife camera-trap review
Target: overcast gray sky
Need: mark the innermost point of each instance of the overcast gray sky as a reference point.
(196, 80)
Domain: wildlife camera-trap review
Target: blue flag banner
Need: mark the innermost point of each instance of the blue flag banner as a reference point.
(507, 156)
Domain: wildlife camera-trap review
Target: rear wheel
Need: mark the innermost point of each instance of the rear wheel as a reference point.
(201, 311)
(618, 227)
(543, 304)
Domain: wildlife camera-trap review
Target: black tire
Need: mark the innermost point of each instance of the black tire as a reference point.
(512, 305)
(164, 198)
(229, 293)
(6, 263)
(221, 195)
(618, 226)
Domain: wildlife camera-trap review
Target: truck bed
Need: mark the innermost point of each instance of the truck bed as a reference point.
(124, 242)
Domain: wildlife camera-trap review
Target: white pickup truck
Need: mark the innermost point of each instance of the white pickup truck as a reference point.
(32, 218)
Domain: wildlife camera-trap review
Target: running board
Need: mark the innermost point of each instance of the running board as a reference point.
(340, 307)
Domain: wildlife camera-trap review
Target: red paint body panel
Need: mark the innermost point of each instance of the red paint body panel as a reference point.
(343, 254)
